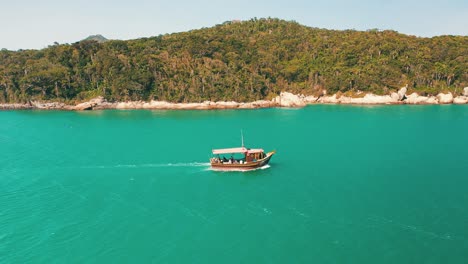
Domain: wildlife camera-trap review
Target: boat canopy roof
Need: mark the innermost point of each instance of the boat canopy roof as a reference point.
(236, 150)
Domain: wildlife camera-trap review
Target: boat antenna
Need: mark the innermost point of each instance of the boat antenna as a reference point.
(242, 137)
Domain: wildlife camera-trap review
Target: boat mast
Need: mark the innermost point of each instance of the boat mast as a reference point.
(242, 137)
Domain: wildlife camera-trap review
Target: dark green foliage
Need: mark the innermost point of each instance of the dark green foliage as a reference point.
(240, 61)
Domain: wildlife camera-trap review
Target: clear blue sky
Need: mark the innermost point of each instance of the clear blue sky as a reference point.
(35, 24)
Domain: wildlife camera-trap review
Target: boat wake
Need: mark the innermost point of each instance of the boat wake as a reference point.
(205, 165)
(149, 165)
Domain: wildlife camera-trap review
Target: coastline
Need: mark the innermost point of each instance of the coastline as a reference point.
(285, 99)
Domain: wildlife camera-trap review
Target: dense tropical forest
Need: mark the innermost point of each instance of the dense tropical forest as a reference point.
(236, 60)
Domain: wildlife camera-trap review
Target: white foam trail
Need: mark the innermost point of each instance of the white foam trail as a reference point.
(166, 165)
(191, 164)
(150, 165)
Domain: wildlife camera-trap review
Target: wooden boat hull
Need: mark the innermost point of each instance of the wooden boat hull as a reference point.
(244, 167)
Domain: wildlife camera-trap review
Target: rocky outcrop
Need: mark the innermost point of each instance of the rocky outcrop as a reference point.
(51, 106)
(207, 105)
(368, 99)
(257, 104)
(395, 96)
(465, 91)
(445, 98)
(15, 106)
(310, 99)
(415, 98)
(90, 104)
(286, 99)
(402, 93)
(83, 106)
(328, 100)
(38, 105)
(460, 100)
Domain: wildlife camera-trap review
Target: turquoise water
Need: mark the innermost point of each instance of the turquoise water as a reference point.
(384, 184)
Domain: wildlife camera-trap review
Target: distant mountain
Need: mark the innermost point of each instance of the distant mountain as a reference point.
(98, 38)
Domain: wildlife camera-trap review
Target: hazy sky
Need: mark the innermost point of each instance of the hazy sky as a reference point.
(35, 24)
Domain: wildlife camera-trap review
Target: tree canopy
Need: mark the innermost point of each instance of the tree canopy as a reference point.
(241, 61)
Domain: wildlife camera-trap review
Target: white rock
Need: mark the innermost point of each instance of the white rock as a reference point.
(83, 106)
(460, 100)
(16, 106)
(276, 100)
(222, 105)
(378, 99)
(310, 99)
(90, 104)
(290, 100)
(465, 91)
(432, 100)
(368, 99)
(395, 96)
(98, 100)
(415, 98)
(445, 98)
(402, 93)
(328, 99)
(257, 104)
(261, 103)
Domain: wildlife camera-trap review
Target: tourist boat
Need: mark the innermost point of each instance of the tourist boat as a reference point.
(251, 158)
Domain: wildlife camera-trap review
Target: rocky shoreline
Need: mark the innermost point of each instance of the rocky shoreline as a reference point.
(285, 99)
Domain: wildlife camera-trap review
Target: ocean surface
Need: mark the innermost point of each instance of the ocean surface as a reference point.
(349, 184)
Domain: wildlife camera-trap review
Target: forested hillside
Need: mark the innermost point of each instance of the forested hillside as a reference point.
(241, 61)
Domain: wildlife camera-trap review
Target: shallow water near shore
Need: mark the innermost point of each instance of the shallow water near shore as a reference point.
(349, 184)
